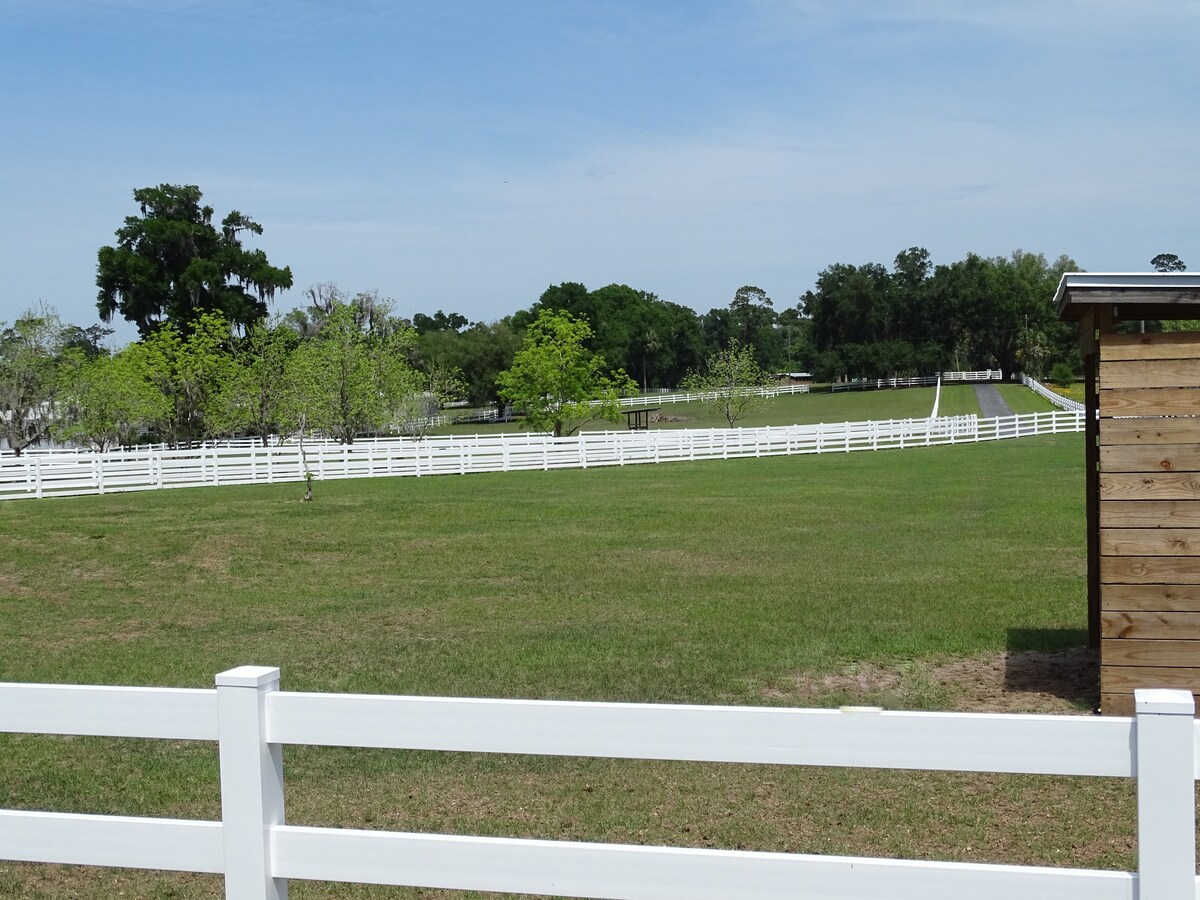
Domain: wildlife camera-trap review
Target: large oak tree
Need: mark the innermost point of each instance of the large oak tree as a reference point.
(171, 264)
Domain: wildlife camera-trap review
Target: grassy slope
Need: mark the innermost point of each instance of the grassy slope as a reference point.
(1021, 399)
(683, 582)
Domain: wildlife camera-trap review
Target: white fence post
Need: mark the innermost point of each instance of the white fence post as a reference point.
(251, 783)
(1166, 794)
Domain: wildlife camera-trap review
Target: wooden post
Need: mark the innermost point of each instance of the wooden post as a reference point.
(1096, 323)
(1091, 457)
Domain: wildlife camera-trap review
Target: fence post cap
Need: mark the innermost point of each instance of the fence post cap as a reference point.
(1164, 701)
(248, 676)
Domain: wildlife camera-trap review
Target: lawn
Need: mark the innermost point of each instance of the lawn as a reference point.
(770, 581)
(792, 409)
(1022, 400)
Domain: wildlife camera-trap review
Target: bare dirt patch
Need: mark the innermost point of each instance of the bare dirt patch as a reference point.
(1016, 681)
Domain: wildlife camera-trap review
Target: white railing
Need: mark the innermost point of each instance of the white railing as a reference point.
(1057, 399)
(96, 473)
(258, 853)
(868, 384)
(773, 390)
(982, 375)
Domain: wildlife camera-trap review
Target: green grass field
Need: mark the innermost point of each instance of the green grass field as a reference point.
(794, 409)
(819, 406)
(698, 582)
(771, 581)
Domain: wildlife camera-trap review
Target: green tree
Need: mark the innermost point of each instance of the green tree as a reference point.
(1033, 351)
(189, 372)
(439, 321)
(171, 264)
(106, 400)
(755, 322)
(29, 377)
(557, 381)
(252, 397)
(731, 382)
(1168, 262)
(479, 354)
(419, 408)
(655, 341)
(351, 378)
(89, 341)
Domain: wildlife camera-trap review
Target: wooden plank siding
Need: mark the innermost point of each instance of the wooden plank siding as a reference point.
(1149, 569)
(1149, 431)
(1137, 597)
(1149, 524)
(1150, 373)
(1150, 486)
(1149, 401)
(1150, 458)
(1149, 514)
(1163, 345)
(1150, 541)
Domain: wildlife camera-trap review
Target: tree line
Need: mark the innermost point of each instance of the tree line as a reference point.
(353, 374)
(210, 360)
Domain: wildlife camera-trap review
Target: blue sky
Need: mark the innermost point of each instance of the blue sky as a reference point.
(464, 156)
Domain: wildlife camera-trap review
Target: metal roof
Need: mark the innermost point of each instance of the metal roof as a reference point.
(1142, 295)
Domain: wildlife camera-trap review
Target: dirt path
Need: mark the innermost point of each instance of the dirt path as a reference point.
(1024, 681)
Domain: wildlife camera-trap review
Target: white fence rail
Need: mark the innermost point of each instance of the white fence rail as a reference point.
(867, 384)
(1057, 399)
(100, 473)
(258, 853)
(982, 375)
(773, 390)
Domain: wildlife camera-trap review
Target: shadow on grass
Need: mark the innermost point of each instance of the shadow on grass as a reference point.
(1054, 661)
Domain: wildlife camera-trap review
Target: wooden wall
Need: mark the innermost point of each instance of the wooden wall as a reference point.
(1149, 396)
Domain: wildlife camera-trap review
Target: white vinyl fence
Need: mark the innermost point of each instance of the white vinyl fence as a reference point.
(773, 390)
(1057, 399)
(66, 474)
(258, 853)
(866, 384)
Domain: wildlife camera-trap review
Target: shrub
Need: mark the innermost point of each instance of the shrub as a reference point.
(1062, 375)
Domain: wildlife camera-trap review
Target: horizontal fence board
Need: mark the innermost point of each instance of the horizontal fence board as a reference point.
(1150, 570)
(1149, 514)
(624, 872)
(1151, 457)
(1151, 373)
(1134, 652)
(1150, 402)
(139, 712)
(1181, 430)
(1150, 486)
(1161, 345)
(177, 845)
(1150, 541)
(1066, 745)
(1126, 679)
(1162, 625)
(1151, 597)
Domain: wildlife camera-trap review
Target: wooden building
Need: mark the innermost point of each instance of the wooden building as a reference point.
(1143, 479)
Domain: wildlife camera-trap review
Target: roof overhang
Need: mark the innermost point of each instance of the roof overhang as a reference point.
(1132, 295)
